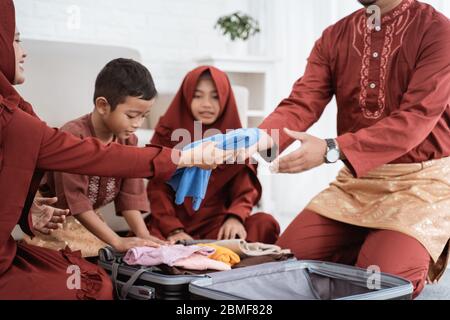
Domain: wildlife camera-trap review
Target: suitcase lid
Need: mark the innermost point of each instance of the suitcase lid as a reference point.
(313, 275)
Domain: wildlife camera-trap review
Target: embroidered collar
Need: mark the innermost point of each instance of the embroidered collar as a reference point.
(397, 11)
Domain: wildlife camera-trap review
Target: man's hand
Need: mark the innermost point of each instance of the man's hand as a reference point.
(46, 218)
(310, 155)
(180, 236)
(231, 229)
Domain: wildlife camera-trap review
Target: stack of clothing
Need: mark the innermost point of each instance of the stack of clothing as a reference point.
(191, 257)
(204, 256)
(254, 253)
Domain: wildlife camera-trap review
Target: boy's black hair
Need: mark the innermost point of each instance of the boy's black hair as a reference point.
(121, 78)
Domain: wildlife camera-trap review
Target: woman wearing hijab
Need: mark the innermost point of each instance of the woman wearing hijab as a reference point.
(206, 96)
(28, 147)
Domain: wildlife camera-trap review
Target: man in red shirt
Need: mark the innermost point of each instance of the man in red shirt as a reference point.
(390, 205)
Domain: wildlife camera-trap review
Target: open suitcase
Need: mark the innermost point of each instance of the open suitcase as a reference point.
(285, 280)
(300, 280)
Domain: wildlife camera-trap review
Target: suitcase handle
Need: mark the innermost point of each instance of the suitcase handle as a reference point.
(129, 287)
(138, 292)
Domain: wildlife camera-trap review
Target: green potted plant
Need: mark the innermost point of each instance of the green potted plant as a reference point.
(238, 27)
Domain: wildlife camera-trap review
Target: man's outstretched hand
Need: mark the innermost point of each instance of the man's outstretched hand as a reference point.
(311, 154)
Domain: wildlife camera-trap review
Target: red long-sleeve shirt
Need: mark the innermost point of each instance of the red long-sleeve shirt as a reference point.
(392, 88)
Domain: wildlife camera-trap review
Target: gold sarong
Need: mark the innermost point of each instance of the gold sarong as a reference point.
(410, 198)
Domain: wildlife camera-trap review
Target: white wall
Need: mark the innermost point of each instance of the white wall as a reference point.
(169, 34)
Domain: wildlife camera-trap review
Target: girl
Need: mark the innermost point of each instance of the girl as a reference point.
(206, 96)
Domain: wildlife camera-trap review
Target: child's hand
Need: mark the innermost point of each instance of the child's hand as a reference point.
(156, 240)
(232, 229)
(179, 237)
(46, 218)
(206, 156)
(124, 244)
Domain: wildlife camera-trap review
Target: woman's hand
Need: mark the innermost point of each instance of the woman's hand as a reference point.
(206, 156)
(46, 218)
(123, 244)
(265, 142)
(232, 229)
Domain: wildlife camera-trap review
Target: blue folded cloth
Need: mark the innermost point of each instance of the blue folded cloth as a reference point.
(193, 182)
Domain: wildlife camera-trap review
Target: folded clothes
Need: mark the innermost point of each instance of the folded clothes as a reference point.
(222, 254)
(198, 261)
(193, 182)
(251, 249)
(245, 262)
(195, 241)
(148, 256)
(178, 271)
(253, 261)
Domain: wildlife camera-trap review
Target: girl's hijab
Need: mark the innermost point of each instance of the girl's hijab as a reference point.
(179, 114)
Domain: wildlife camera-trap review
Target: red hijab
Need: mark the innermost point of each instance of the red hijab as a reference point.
(179, 115)
(10, 100)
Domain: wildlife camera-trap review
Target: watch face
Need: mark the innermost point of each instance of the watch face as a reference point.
(333, 155)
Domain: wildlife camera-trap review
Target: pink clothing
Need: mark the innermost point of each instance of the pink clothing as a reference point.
(200, 262)
(148, 256)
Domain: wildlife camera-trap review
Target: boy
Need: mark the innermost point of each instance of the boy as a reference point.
(124, 94)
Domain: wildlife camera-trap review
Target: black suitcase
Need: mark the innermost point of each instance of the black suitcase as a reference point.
(143, 283)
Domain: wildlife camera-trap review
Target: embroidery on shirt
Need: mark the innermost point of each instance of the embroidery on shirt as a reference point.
(110, 191)
(357, 31)
(93, 189)
(365, 69)
(397, 12)
(394, 32)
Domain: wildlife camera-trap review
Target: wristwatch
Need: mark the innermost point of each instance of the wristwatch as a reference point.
(333, 154)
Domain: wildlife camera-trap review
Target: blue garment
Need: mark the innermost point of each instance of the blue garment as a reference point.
(193, 182)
